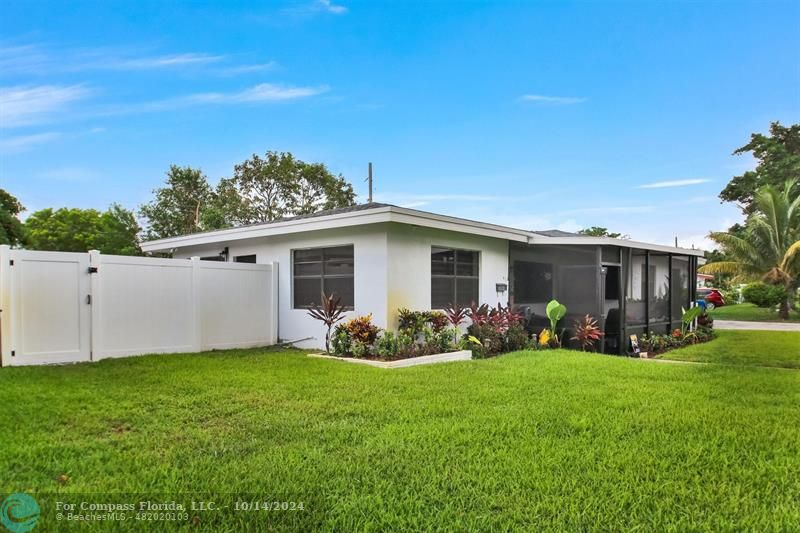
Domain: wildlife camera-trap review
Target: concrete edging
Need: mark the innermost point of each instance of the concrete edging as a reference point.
(461, 355)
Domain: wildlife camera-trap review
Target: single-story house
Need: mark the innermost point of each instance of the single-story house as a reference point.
(379, 258)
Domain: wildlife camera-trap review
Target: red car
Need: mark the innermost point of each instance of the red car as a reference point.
(712, 297)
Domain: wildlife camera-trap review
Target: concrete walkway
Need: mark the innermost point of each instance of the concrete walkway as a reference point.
(760, 326)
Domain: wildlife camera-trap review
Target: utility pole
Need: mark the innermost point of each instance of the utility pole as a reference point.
(369, 179)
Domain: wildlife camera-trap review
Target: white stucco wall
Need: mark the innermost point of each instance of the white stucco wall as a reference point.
(369, 251)
(392, 270)
(409, 279)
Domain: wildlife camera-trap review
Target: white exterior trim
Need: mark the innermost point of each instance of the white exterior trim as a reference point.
(608, 241)
(400, 215)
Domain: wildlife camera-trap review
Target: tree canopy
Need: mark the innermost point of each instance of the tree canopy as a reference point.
(79, 230)
(184, 205)
(598, 231)
(778, 160)
(261, 189)
(768, 247)
(278, 185)
(11, 228)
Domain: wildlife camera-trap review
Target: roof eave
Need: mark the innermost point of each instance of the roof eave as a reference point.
(608, 241)
(339, 220)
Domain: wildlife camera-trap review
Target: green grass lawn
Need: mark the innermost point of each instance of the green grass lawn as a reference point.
(533, 440)
(760, 348)
(751, 313)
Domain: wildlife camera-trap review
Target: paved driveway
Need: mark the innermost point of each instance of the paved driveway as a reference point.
(761, 326)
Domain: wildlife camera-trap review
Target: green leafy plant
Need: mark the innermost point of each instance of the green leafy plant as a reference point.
(329, 313)
(387, 345)
(768, 248)
(437, 320)
(688, 317)
(764, 294)
(587, 332)
(555, 311)
(516, 338)
(341, 342)
(412, 322)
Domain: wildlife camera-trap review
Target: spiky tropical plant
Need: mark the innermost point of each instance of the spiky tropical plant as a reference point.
(587, 332)
(769, 249)
(456, 314)
(329, 313)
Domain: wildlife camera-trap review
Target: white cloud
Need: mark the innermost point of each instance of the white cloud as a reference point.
(264, 92)
(552, 100)
(316, 6)
(249, 69)
(37, 59)
(70, 174)
(23, 105)
(156, 62)
(330, 7)
(420, 199)
(22, 58)
(623, 209)
(673, 183)
(26, 142)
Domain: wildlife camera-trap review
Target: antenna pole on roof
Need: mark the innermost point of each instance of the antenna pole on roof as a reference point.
(676, 241)
(369, 179)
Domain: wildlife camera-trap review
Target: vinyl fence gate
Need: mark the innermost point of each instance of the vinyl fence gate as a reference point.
(60, 307)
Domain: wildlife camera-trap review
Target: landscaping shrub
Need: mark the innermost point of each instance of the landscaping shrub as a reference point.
(387, 345)
(516, 338)
(411, 322)
(415, 322)
(355, 337)
(587, 332)
(438, 321)
(497, 329)
(421, 333)
(490, 339)
(361, 329)
(764, 294)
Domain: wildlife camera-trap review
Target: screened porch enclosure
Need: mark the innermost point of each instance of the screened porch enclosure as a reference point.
(628, 290)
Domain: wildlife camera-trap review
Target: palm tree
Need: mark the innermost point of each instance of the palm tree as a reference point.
(769, 249)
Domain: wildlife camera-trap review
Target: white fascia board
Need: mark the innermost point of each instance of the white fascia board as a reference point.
(339, 220)
(608, 241)
(431, 220)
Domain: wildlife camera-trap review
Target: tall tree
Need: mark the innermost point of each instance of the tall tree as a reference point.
(120, 235)
(769, 246)
(184, 205)
(778, 160)
(278, 185)
(80, 230)
(597, 231)
(11, 229)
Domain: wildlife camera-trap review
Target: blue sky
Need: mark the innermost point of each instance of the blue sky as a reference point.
(534, 115)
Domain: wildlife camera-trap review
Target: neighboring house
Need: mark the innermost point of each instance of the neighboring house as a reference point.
(380, 258)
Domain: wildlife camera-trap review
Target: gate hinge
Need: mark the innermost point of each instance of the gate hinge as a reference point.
(89, 299)
(11, 262)
(92, 270)
(13, 353)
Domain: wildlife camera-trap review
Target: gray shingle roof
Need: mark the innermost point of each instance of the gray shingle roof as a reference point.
(557, 233)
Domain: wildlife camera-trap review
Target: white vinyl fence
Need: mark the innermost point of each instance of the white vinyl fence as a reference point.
(59, 307)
